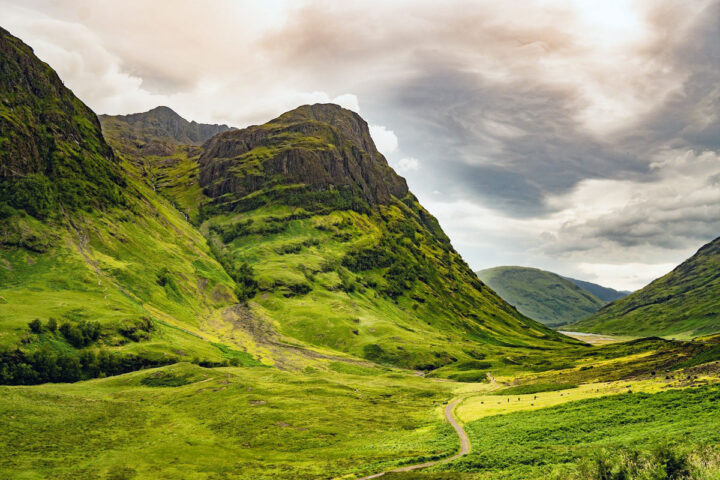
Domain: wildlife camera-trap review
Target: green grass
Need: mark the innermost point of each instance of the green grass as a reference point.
(551, 442)
(186, 422)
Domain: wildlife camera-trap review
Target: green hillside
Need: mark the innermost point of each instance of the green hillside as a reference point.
(684, 303)
(305, 241)
(326, 241)
(543, 296)
(98, 275)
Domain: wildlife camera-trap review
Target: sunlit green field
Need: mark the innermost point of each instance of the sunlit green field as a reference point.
(187, 422)
(552, 442)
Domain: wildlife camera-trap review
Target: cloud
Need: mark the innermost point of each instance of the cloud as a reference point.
(385, 140)
(562, 133)
(349, 101)
(678, 208)
(408, 163)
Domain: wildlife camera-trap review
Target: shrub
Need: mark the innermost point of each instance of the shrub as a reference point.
(35, 326)
(138, 330)
(28, 368)
(52, 325)
(663, 462)
(33, 193)
(247, 285)
(80, 334)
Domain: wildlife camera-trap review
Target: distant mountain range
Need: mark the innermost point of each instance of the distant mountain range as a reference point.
(545, 296)
(683, 303)
(605, 294)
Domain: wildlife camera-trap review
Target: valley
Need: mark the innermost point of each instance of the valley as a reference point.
(193, 301)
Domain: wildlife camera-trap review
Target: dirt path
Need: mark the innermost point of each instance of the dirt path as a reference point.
(464, 446)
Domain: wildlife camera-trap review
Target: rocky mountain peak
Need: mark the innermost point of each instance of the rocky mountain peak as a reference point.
(161, 124)
(322, 147)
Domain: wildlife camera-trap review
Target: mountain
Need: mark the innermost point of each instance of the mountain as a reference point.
(52, 152)
(289, 243)
(158, 143)
(683, 303)
(326, 240)
(605, 294)
(541, 295)
(98, 274)
(157, 130)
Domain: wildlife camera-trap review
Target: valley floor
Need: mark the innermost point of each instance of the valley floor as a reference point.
(187, 422)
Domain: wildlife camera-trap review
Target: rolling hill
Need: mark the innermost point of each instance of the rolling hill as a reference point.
(544, 296)
(684, 303)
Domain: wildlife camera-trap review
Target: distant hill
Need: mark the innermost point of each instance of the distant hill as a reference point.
(541, 295)
(605, 294)
(683, 303)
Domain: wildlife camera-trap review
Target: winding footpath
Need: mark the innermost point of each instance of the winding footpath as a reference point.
(464, 446)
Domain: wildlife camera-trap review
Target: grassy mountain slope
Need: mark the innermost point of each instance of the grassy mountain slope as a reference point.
(343, 254)
(543, 296)
(52, 153)
(683, 303)
(327, 243)
(605, 294)
(98, 274)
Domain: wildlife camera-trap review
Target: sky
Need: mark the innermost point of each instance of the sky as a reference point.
(577, 136)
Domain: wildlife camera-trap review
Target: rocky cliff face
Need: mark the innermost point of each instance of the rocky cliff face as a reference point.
(52, 151)
(323, 147)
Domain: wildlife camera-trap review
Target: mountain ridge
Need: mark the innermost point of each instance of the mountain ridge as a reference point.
(320, 146)
(157, 131)
(606, 294)
(685, 302)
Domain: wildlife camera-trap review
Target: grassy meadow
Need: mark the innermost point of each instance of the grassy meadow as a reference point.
(553, 441)
(187, 422)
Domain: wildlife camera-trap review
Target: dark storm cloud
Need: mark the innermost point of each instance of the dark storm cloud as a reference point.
(691, 117)
(509, 145)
